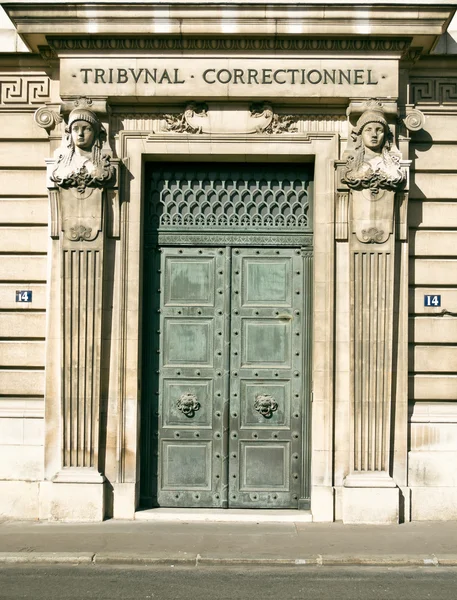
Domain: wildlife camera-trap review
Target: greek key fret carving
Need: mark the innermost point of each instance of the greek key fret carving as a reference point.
(436, 90)
(24, 90)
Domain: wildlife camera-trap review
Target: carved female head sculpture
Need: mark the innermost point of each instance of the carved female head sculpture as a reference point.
(372, 131)
(80, 161)
(372, 163)
(83, 134)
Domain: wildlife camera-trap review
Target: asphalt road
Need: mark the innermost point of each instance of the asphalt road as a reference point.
(234, 583)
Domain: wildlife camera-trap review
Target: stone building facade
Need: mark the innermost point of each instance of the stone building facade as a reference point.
(228, 273)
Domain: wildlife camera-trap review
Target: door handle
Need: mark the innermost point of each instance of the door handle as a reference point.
(285, 317)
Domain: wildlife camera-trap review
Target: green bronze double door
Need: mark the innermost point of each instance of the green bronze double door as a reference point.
(227, 377)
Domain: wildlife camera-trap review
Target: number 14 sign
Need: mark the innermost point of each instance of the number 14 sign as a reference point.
(432, 300)
(23, 296)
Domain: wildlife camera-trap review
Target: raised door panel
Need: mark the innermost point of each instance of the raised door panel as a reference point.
(193, 378)
(266, 378)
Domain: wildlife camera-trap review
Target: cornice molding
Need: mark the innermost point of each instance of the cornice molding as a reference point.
(36, 20)
(228, 44)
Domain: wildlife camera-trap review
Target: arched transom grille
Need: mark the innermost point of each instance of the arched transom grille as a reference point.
(229, 197)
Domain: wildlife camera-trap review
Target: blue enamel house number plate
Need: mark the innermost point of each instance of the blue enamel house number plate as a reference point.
(23, 296)
(432, 300)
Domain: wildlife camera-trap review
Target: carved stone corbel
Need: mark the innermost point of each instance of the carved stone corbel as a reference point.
(413, 119)
(374, 178)
(80, 179)
(48, 117)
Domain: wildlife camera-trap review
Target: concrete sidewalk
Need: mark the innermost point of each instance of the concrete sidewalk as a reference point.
(143, 542)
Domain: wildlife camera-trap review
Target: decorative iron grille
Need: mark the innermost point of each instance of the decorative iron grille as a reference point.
(229, 197)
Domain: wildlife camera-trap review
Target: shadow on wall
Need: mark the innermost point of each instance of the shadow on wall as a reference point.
(421, 142)
(448, 42)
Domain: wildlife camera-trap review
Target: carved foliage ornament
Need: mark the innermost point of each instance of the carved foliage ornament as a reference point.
(188, 404)
(266, 405)
(373, 163)
(181, 123)
(197, 119)
(79, 232)
(81, 163)
(373, 235)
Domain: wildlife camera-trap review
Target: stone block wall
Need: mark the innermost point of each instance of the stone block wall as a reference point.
(433, 330)
(24, 242)
(23, 266)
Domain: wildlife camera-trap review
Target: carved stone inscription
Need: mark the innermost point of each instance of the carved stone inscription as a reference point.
(232, 77)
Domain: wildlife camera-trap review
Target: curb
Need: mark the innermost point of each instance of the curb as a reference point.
(56, 558)
(115, 558)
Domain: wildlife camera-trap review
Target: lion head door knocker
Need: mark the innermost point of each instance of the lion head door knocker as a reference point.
(188, 404)
(266, 405)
